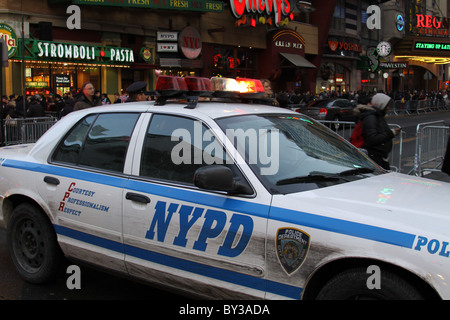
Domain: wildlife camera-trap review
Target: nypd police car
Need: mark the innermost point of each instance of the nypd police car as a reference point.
(211, 192)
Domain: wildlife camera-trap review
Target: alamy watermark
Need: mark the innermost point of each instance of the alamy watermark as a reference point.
(262, 144)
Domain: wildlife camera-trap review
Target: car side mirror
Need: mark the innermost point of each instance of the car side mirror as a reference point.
(219, 178)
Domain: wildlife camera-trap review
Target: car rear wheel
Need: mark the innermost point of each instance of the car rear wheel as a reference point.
(352, 285)
(32, 244)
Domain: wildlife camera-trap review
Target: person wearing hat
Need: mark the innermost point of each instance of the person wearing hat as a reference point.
(87, 97)
(375, 130)
(36, 109)
(137, 91)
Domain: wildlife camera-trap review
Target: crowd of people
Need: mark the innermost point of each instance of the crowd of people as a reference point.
(372, 108)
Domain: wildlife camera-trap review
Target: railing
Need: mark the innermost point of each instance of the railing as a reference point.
(345, 129)
(431, 144)
(420, 106)
(25, 130)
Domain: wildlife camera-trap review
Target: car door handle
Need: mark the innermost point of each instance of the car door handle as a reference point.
(51, 180)
(137, 197)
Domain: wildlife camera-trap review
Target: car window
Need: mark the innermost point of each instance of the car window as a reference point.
(286, 152)
(98, 141)
(176, 146)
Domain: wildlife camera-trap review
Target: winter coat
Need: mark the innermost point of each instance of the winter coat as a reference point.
(36, 110)
(376, 132)
(83, 103)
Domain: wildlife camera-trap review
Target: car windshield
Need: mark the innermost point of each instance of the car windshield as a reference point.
(292, 153)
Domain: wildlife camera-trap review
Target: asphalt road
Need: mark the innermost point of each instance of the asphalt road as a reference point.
(95, 285)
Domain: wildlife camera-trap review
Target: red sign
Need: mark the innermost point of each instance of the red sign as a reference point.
(279, 8)
(429, 25)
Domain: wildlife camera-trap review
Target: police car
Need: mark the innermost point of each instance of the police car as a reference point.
(211, 192)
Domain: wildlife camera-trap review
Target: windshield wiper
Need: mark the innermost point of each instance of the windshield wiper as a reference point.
(356, 171)
(318, 177)
(309, 178)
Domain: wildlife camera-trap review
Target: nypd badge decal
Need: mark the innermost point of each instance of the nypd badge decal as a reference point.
(292, 247)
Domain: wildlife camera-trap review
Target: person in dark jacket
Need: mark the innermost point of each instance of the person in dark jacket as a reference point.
(376, 132)
(87, 98)
(36, 109)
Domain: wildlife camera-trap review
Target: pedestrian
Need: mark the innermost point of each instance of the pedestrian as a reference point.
(105, 99)
(36, 108)
(137, 91)
(117, 98)
(375, 130)
(268, 96)
(58, 106)
(87, 98)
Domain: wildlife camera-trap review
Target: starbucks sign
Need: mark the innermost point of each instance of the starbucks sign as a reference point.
(9, 36)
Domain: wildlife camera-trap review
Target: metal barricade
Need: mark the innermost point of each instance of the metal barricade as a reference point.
(431, 144)
(342, 128)
(345, 129)
(25, 130)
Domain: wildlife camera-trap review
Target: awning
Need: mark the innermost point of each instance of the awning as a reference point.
(297, 60)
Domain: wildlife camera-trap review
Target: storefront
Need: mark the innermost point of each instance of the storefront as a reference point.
(425, 53)
(58, 67)
(338, 70)
(286, 51)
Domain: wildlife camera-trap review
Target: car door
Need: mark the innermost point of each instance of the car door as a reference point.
(83, 186)
(178, 235)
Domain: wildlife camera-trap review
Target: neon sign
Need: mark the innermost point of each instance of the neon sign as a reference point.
(280, 9)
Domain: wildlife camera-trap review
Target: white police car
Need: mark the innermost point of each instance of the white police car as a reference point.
(223, 199)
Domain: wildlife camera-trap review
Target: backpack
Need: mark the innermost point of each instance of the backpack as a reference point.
(357, 138)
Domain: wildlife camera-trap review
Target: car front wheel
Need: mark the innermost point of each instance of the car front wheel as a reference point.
(32, 244)
(352, 284)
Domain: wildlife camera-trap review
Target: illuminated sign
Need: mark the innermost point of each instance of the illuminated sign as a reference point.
(435, 46)
(279, 10)
(342, 45)
(89, 53)
(400, 22)
(430, 25)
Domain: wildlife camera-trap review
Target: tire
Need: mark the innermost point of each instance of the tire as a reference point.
(32, 244)
(352, 285)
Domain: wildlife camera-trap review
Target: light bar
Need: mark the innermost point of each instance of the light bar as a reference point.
(190, 87)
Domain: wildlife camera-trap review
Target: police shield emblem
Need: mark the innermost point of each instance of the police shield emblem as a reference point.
(292, 247)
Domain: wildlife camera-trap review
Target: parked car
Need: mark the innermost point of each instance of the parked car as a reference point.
(330, 109)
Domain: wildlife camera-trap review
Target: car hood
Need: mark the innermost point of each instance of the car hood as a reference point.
(385, 202)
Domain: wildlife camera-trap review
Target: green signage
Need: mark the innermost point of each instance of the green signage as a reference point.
(432, 46)
(76, 53)
(190, 5)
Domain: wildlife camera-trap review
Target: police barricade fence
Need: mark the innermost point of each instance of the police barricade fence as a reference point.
(431, 144)
(419, 106)
(345, 129)
(25, 130)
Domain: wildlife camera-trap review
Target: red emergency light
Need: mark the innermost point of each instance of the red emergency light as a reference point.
(168, 87)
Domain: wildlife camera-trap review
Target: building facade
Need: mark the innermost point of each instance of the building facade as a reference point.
(121, 42)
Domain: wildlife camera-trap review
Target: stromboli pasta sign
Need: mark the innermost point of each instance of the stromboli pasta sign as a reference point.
(68, 51)
(280, 9)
